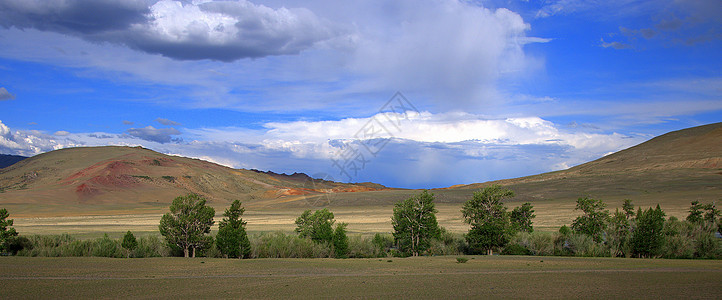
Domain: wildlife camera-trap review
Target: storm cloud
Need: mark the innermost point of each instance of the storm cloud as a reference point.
(223, 31)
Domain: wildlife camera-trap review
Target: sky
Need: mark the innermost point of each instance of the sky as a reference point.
(412, 94)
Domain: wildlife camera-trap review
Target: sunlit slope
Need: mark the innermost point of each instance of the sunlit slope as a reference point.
(128, 178)
(672, 170)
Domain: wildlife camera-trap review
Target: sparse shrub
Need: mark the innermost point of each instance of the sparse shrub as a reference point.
(106, 247)
(281, 245)
(151, 246)
(461, 260)
(537, 243)
(584, 245)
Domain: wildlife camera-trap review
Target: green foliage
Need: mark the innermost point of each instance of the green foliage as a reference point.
(188, 223)
(618, 234)
(7, 233)
(515, 249)
(490, 226)
(383, 242)
(536, 243)
(232, 239)
(521, 218)
(129, 242)
(711, 216)
(565, 230)
(461, 260)
(695, 212)
(281, 245)
(169, 178)
(648, 237)
(628, 209)
(340, 241)
(317, 226)
(594, 220)
(414, 222)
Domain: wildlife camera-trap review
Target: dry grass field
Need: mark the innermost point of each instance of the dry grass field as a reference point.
(361, 219)
(420, 277)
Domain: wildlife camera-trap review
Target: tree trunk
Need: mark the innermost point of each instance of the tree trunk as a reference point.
(185, 251)
(194, 252)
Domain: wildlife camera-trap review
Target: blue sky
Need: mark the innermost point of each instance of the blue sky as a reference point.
(494, 89)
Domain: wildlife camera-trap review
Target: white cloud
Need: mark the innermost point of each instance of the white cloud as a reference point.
(428, 150)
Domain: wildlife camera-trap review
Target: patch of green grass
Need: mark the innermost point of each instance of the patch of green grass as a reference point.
(146, 177)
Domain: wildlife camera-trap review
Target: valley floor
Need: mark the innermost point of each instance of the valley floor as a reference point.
(419, 277)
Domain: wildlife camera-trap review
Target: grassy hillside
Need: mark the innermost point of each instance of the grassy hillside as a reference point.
(670, 170)
(126, 179)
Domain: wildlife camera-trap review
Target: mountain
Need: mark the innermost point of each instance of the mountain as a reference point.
(7, 160)
(116, 178)
(679, 166)
(672, 170)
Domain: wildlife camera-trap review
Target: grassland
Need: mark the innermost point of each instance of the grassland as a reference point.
(551, 214)
(420, 277)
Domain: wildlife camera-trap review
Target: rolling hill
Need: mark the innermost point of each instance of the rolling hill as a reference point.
(112, 178)
(672, 169)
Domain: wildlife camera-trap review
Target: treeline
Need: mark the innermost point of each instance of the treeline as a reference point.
(185, 231)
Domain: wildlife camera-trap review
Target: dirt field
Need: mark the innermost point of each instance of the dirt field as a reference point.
(421, 277)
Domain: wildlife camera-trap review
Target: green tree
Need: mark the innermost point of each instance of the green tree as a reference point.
(318, 225)
(695, 212)
(129, 242)
(414, 222)
(340, 241)
(618, 233)
(232, 239)
(711, 216)
(648, 236)
(521, 218)
(7, 233)
(187, 223)
(593, 221)
(489, 220)
(628, 208)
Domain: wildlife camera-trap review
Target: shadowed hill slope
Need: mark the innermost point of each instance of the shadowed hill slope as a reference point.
(7, 160)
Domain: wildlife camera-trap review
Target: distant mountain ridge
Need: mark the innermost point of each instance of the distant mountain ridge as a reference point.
(7, 160)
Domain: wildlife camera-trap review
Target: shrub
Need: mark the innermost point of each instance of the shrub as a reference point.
(461, 260)
(515, 249)
(281, 245)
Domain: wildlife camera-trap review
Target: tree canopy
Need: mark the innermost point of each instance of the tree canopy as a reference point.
(318, 226)
(188, 223)
(594, 220)
(414, 222)
(489, 220)
(7, 233)
(232, 239)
